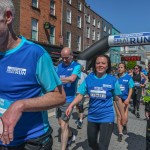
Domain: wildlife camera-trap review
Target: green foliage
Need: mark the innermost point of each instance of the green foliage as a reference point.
(131, 64)
(146, 98)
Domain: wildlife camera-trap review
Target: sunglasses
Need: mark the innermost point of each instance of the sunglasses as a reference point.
(136, 68)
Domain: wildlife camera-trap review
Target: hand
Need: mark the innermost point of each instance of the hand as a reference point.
(126, 102)
(142, 85)
(10, 119)
(68, 111)
(123, 121)
(147, 114)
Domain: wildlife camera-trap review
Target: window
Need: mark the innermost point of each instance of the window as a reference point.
(69, 1)
(79, 43)
(35, 3)
(80, 6)
(68, 16)
(98, 24)
(88, 32)
(94, 21)
(88, 18)
(104, 28)
(52, 35)
(98, 35)
(52, 8)
(93, 35)
(79, 22)
(109, 31)
(34, 29)
(68, 39)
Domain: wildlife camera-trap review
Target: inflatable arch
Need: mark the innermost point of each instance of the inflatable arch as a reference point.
(104, 44)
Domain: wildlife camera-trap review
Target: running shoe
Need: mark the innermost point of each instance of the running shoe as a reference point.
(120, 137)
(124, 129)
(138, 115)
(133, 111)
(71, 139)
(79, 125)
(77, 121)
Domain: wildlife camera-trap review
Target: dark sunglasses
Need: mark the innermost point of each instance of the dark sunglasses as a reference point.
(136, 68)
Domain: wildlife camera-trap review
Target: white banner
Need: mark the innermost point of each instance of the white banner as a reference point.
(129, 39)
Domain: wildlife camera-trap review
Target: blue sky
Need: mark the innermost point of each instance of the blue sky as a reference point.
(127, 16)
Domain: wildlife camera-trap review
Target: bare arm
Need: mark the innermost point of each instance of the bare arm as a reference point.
(78, 98)
(69, 79)
(145, 77)
(14, 112)
(129, 96)
(45, 102)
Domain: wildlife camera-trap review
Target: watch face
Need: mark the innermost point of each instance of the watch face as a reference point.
(1, 126)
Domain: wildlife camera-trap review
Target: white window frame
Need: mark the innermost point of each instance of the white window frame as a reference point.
(94, 21)
(35, 3)
(88, 32)
(34, 29)
(79, 43)
(88, 18)
(98, 24)
(79, 22)
(52, 35)
(98, 35)
(105, 28)
(52, 7)
(68, 39)
(69, 1)
(108, 31)
(79, 6)
(68, 16)
(93, 35)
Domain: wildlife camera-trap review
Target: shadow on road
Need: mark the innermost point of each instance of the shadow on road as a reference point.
(135, 142)
(84, 145)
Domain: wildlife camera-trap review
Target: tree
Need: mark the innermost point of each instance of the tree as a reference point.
(131, 64)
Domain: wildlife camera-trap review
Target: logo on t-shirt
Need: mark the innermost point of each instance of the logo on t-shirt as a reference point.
(15, 70)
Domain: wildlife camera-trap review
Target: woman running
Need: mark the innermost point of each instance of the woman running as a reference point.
(137, 77)
(126, 84)
(101, 88)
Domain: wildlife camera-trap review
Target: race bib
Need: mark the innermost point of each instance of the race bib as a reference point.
(98, 94)
(122, 88)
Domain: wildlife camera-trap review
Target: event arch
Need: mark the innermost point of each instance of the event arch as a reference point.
(103, 45)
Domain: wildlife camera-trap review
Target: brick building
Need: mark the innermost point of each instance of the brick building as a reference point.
(73, 24)
(40, 21)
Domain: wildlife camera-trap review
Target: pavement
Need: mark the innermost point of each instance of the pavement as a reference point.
(134, 140)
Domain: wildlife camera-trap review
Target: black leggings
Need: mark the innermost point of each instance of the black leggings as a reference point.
(136, 95)
(104, 130)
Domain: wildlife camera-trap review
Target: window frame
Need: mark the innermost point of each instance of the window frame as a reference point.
(52, 36)
(68, 20)
(79, 21)
(68, 40)
(79, 43)
(52, 8)
(33, 30)
(37, 4)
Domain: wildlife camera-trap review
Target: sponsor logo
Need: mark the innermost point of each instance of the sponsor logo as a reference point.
(107, 85)
(15, 70)
(125, 80)
(70, 69)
